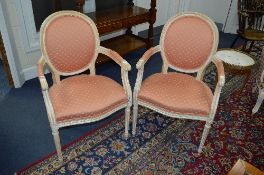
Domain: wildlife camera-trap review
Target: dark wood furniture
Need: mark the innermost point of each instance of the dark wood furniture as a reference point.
(251, 18)
(5, 63)
(124, 17)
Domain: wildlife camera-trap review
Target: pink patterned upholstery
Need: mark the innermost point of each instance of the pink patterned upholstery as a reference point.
(70, 43)
(188, 42)
(84, 96)
(177, 93)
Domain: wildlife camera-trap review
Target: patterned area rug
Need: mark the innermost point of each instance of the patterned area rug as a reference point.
(164, 145)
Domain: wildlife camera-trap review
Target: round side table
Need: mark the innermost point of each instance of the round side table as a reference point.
(236, 62)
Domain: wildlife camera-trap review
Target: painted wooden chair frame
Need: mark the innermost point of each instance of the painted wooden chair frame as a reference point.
(260, 84)
(200, 73)
(125, 67)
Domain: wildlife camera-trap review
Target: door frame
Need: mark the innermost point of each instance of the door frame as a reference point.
(8, 48)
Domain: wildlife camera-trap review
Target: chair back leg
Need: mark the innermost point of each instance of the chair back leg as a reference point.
(56, 138)
(127, 118)
(204, 136)
(258, 103)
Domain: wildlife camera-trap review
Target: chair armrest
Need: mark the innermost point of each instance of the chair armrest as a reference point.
(116, 57)
(220, 71)
(140, 66)
(125, 67)
(41, 76)
(147, 56)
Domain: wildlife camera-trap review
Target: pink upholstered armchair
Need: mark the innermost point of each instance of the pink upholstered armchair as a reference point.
(70, 45)
(188, 43)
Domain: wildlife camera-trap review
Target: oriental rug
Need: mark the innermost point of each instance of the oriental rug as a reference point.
(163, 145)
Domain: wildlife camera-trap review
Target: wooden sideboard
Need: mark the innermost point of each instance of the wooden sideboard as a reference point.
(124, 17)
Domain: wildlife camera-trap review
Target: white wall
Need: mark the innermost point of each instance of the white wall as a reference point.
(9, 43)
(215, 9)
(25, 58)
(232, 20)
(165, 10)
(218, 11)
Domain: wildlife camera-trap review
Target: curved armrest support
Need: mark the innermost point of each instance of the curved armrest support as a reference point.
(45, 93)
(220, 71)
(140, 67)
(218, 88)
(125, 66)
(41, 76)
(147, 56)
(116, 57)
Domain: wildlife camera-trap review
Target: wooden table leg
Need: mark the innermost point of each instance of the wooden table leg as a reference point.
(152, 20)
(79, 5)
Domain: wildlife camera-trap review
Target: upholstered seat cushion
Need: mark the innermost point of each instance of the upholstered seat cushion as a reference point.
(177, 93)
(85, 96)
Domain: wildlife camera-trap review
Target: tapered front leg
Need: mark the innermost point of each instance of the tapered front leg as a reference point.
(56, 138)
(135, 113)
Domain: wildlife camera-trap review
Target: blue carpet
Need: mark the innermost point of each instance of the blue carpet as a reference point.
(25, 135)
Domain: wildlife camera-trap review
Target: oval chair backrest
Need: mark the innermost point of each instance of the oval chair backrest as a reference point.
(188, 42)
(69, 42)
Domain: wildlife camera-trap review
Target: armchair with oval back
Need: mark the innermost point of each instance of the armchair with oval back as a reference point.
(70, 45)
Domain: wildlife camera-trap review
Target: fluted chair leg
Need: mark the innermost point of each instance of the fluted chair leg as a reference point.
(56, 138)
(135, 113)
(127, 117)
(258, 103)
(204, 136)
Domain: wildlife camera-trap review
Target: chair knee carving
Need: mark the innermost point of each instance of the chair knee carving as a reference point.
(70, 45)
(188, 43)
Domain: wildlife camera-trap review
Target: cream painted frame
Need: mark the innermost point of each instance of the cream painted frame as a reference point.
(200, 73)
